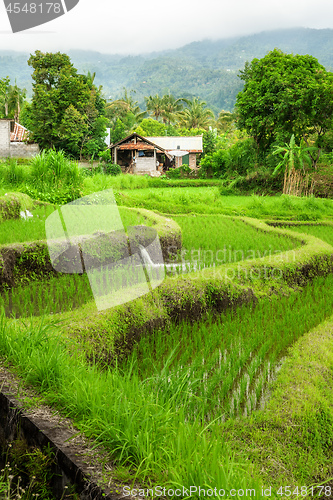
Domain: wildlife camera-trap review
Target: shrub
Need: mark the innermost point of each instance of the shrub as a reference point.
(241, 156)
(112, 169)
(105, 156)
(52, 169)
(214, 164)
(181, 172)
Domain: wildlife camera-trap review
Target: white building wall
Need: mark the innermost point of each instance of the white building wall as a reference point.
(4, 138)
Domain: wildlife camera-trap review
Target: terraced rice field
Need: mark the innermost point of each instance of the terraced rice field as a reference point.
(322, 232)
(231, 357)
(209, 241)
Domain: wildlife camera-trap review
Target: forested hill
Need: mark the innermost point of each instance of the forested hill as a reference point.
(207, 69)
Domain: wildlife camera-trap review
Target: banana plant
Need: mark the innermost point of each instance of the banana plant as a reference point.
(294, 156)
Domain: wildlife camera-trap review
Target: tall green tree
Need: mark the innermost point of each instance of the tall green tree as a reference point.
(4, 95)
(284, 95)
(67, 109)
(12, 99)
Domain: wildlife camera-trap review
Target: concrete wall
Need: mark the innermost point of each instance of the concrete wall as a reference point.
(22, 150)
(4, 138)
(145, 164)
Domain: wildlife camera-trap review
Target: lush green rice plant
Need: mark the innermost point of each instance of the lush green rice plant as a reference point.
(161, 412)
(127, 181)
(214, 240)
(143, 429)
(322, 232)
(30, 229)
(58, 294)
(207, 200)
(33, 228)
(231, 357)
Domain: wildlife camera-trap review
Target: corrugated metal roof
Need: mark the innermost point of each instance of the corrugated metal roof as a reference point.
(19, 133)
(188, 143)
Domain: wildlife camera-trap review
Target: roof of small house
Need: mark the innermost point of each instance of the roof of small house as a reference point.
(135, 141)
(19, 133)
(192, 144)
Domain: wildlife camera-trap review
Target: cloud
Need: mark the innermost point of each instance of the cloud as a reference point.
(146, 26)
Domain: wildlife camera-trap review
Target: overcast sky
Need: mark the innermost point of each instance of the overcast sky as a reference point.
(134, 26)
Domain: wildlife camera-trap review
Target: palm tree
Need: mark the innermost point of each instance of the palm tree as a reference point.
(126, 104)
(225, 121)
(172, 107)
(15, 101)
(155, 105)
(197, 115)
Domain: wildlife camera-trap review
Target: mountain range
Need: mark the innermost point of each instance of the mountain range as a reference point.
(207, 69)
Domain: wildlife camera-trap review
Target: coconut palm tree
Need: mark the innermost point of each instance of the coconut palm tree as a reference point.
(197, 115)
(123, 106)
(172, 107)
(225, 121)
(155, 105)
(15, 101)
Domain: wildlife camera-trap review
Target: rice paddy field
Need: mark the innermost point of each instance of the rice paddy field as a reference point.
(207, 241)
(166, 411)
(232, 357)
(213, 402)
(322, 232)
(33, 228)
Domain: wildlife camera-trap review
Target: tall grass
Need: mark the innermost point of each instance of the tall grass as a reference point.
(161, 412)
(207, 200)
(53, 177)
(142, 429)
(13, 174)
(52, 169)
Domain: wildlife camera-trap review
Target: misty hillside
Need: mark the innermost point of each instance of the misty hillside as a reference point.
(207, 69)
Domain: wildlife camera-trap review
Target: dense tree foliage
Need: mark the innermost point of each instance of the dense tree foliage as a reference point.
(67, 109)
(284, 95)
